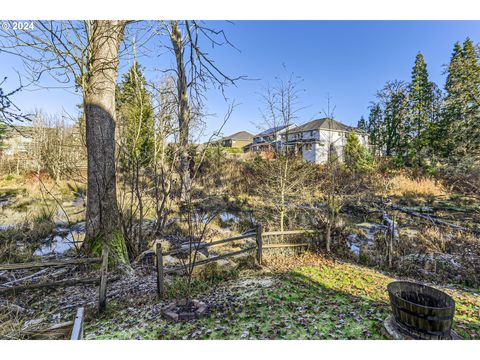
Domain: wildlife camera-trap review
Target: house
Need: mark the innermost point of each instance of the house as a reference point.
(273, 138)
(25, 145)
(317, 139)
(237, 140)
(16, 141)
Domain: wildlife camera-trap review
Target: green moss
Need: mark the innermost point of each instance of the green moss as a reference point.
(117, 249)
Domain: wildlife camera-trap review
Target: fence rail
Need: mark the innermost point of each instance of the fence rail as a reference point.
(57, 263)
(275, 246)
(209, 260)
(213, 243)
(288, 232)
(102, 279)
(259, 246)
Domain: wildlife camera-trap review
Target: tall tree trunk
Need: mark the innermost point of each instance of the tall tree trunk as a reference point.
(183, 110)
(102, 223)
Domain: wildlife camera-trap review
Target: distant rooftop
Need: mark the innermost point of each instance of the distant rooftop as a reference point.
(323, 123)
(241, 135)
(273, 130)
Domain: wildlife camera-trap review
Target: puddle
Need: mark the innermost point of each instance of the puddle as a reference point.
(62, 240)
(4, 227)
(78, 201)
(370, 230)
(236, 220)
(228, 216)
(356, 242)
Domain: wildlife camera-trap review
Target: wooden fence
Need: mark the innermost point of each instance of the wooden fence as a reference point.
(259, 236)
(77, 329)
(101, 280)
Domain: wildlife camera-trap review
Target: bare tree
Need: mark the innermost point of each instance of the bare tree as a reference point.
(165, 156)
(56, 147)
(195, 71)
(9, 112)
(281, 181)
(197, 217)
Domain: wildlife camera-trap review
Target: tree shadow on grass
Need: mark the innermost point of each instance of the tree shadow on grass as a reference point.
(291, 307)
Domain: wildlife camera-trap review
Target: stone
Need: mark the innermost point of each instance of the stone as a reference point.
(186, 316)
(173, 311)
(170, 315)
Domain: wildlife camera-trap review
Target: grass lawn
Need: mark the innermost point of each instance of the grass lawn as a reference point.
(310, 298)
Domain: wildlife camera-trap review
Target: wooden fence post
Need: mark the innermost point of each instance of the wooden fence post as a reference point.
(102, 297)
(390, 243)
(158, 249)
(77, 330)
(259, 244)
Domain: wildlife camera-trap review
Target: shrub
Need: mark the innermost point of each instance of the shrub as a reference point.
(357, 156)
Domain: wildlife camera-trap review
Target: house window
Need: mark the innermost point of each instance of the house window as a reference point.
(308, 147)
(311, 133)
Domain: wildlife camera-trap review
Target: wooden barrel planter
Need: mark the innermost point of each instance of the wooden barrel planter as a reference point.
(422, 311)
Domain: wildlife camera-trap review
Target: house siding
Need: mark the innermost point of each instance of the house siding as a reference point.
(314, 140)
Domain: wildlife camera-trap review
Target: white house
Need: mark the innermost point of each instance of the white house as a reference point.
(273, 138)
(315, 139)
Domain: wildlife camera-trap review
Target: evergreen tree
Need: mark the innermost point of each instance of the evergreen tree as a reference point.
(135, 109)
(460, 123)
(394, 98)
(357, 156)
(422, 111)
(469, 137)
(362, 125)
(433, 134)
(374, 128)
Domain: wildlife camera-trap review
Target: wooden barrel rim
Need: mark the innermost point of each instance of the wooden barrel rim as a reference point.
(395, 283)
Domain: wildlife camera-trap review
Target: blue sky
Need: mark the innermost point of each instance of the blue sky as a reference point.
(349, 60)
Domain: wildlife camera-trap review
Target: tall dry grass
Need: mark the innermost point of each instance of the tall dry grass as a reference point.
(404, 186)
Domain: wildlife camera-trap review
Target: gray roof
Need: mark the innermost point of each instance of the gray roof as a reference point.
(241, 135)
(323, 123)
(273, 130)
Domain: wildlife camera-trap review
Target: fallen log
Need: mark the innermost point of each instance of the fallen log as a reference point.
(435, 220)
